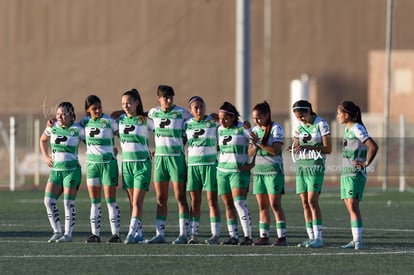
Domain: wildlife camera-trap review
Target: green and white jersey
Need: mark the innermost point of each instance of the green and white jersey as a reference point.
(233, 145)
(311, 135)
(267, 163)
(201, 141)
(168, 130)
(64, 143)
(100, 142)
(133, 135)
(354, 149)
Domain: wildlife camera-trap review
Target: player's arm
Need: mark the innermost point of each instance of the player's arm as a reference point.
(372, 150)
(44, 148)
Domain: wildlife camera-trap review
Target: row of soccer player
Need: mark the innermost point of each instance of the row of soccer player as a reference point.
(221, 153)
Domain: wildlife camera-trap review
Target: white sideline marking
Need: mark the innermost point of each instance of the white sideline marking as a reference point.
(215, 255)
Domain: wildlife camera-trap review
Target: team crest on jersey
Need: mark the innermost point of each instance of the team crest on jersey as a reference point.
(72, 132)
(140, 121)
(104, 123)
(208, 124)
(174, 115)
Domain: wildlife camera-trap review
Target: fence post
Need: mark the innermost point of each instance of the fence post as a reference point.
(36, 152)
(402, 153)
(12, 152)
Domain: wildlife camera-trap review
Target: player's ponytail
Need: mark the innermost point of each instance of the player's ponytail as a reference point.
(136, 96)
(353, 111)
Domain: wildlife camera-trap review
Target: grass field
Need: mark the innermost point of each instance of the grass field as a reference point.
(388, 241)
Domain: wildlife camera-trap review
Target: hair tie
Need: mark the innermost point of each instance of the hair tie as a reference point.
(304, 107)
(195, 98)
(227, 112)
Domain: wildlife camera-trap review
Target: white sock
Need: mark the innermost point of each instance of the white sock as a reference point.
(133, 224)
(356, 234)
(53, 214)
(232, 229)
(244, 217)
(95, 219)
(317, 230)
(114, 217)
(183, 223)
(160, 227)
(263, 229)
(309, 230)
(139, 228)
(281, 229)
(194, 227)
(215, 228)
(70, 215)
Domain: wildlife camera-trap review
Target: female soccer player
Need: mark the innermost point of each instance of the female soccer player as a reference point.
(269, 179)
(233, 173)
(64, 136)
(201, 135)
(358, 151)
(312, 141)
(101, 167)
(134, 129)
(169, 162)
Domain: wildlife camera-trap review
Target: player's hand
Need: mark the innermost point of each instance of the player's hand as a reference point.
(50, 122)
(49, 161)
(247, 124)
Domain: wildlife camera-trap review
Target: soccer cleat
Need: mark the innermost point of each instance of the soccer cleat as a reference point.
(158, 239)
(139, 239)
(359, 245)
(193, 240)
(93, 239)
(246, 241)
(262, 241)
(213, 240)
(115, 239)
(305, 243)
(316, 243)
(231, 241)
(280, 242)
(64, 239)
(353, 245)
(55, 237)
(180, 240)
(129, 239)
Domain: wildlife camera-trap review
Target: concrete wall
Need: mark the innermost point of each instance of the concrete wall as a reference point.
(55, 50)
(401, 86)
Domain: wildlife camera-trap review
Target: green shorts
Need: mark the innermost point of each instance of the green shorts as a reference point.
(309, 176)
(67, 178)
(269, 184)
(136, 174)
(98, 174)
(228, 181)
(202, 177)
(170, 168)
(352, 187)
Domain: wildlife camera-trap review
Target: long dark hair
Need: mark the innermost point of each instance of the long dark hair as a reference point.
(263, 109)
(302, 106)
(352, 110)
(229, 108)
(136, 96)
(90, 100)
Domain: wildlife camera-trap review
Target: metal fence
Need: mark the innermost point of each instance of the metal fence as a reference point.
(30, 169)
